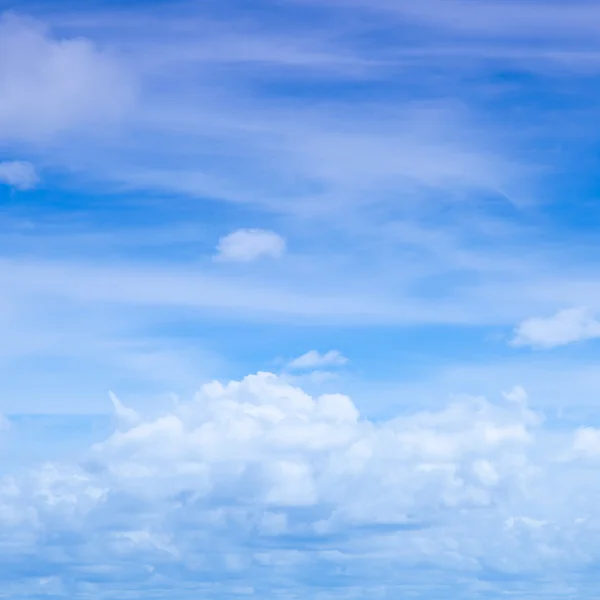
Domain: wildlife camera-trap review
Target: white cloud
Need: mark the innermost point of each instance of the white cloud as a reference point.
(257, 473)
(126, 416)
(49, 85)
(18, 174)
(517, 395)
(565, 327)
(586, 442)
(314, 360)
(279, 155)
(246, 245)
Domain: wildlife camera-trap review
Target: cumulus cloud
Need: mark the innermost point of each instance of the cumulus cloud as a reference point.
(18, 174)
(246, 245)
(587, 442)
(565, 327)
(256, 484)
(51, 85)
(315, 360)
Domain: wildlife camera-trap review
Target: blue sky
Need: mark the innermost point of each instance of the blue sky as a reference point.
(337, 262)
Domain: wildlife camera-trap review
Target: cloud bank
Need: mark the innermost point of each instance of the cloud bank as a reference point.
(255, 488)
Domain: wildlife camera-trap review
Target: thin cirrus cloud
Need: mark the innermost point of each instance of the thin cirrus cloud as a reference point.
(288, 157)
(565, 327)
(257, 485)
(248, 245)
(315, 360)
(523, 19)
(20, 175)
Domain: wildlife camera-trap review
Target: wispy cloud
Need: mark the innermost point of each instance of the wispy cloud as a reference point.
(52, 86)
(565, 327)
(247, 245)
(315, 360)
(522, 19)
(18, 174)
(309, 157)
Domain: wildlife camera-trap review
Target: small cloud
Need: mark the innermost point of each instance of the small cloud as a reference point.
(246, 245)
(586, 442)
(565, 327)
(18, 174)
(125, 416)
(314, 360)
(517, 395)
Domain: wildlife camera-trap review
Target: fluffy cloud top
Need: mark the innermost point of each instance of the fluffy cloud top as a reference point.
(256, 488)
(315, 360)
(565, 327)
(246, 245)
(18, 174)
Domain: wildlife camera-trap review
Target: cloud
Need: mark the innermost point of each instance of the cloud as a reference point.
(314, 360)
(255, 483)
(124, 414)
(288, 156)
(586, 442)
(50, 85)
(325, 294)
(18, 174)
(495, 20)
(87, 285)
(307, 158)
(312, 161)
(247, 245)
(565, 327)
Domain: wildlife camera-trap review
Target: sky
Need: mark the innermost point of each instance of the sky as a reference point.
(299, 299)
